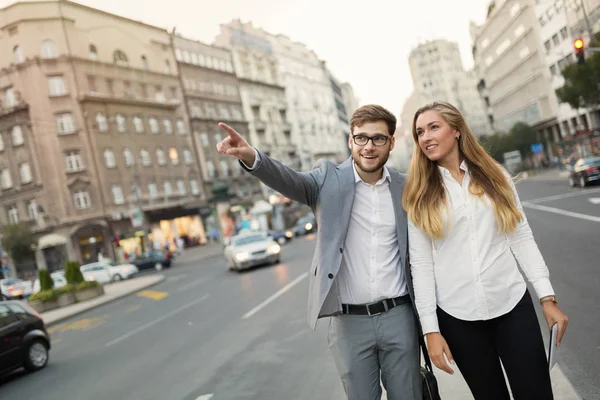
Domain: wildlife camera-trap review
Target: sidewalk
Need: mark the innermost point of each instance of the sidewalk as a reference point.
(553, 174)
(112, 292)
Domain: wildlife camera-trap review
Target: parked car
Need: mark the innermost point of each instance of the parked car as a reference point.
(24, 340)
(584, 171)
(57, 277)
(250, 249)
(15, 288)
(157, 259)
(105, 272)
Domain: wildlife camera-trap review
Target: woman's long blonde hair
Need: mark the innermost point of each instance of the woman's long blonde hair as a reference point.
(424, 195)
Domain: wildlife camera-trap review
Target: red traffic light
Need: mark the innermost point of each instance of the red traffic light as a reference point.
(578, 44)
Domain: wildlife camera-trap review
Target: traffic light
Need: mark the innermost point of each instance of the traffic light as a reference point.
(579, 51)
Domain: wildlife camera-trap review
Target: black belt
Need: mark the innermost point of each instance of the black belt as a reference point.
(375, 308)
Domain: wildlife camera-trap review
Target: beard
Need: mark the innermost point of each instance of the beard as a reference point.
(358, 160)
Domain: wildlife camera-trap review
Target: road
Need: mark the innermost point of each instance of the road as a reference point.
(205, 332)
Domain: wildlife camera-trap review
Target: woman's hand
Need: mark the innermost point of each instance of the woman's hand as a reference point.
(437, 348)
(554, 315)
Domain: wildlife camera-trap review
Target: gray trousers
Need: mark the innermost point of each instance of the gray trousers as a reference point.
(383, 347)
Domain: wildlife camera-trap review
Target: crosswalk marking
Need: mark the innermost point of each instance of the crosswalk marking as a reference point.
(151, 294)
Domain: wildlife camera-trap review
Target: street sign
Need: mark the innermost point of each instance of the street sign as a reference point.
(537, 148)
(137, 219)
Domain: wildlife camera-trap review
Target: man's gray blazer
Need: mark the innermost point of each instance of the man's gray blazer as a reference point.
(328, 189)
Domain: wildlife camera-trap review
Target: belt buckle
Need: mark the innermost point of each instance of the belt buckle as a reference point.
(385, 306)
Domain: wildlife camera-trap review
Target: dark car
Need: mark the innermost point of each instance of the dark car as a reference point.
(24, 340)
(156, 259)
(584, 171)
(281, 237)
(306, 225)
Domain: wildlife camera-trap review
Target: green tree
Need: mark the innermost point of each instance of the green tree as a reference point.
(522, 137)
(46, 282)
(581, 87)
(18, 241)
(73, 273)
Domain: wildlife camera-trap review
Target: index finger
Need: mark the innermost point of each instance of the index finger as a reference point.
(232, 132)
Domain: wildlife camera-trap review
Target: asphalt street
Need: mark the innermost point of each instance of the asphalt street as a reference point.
(208, 333)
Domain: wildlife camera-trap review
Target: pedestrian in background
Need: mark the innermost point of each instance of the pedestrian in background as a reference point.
(359, 275)
(465, 224)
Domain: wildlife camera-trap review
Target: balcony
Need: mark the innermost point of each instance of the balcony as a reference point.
(129, 99)
(7, 110)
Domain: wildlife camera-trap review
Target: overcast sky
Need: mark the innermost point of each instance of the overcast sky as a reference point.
(365, 42)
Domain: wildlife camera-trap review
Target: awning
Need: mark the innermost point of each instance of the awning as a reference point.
(51, 240)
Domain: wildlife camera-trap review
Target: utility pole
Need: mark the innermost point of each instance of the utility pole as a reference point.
(136, 189)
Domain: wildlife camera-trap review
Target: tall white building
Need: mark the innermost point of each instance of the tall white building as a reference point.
(510, 62)
(350, 100)
(438, 75)
(402, 153)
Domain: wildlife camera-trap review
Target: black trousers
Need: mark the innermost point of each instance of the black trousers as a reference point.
(515, 339)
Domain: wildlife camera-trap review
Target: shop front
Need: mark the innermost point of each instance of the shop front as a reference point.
(91, 243)
(176, 228)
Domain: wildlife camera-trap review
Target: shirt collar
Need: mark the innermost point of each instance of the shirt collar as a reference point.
(386, 175)
(463, 166)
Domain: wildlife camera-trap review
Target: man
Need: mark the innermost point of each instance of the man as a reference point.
(359, 274)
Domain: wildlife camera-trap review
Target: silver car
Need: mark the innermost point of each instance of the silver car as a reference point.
(250, 249)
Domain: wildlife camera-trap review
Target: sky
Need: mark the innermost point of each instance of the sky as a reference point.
(365, 42)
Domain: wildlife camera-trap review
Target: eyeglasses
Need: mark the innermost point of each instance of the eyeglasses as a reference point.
(362, 140)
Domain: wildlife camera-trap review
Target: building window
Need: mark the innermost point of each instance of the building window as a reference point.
(223, 112)
(196, 111)
(73, 162)
(194, 187)
(18, 54)
(1, 142)
(167, 66)
(174, 156)
(564, 34)
(174, 94)
(204, 139)
(109, 159)
(186, 56)
(161, 157)
(138, 124)
(547, 45)
(128, 155)
(519, 31)
(91, 81)
(160, 95)
(154, 128)
(218, 138)
(210, 169)
(101, 122)
(144, 62)
(56, 86)
(121, 123)
(524, 52)
(515, 9)
(144, 90)
(181, 127)
(553, 69)
(120, 58)
(48, 49)
(181, 189)
(34, 210)
(555, 39)
(65, 124)
(6, 179)
(82, 200)
(16, 134)
(178, 55)
(110, 87)
(168, 188)
(194, 58)
(10, 98)
(136, 191)
(153, 190)
(201, 60)
(168, 126)
(237, 114)
(13, 214)
(117, 193)
(25, 172)
(93, 53)
(224, 168)
(145, 156)
(187, 157)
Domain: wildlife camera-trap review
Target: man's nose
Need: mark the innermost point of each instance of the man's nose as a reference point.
(369, 145)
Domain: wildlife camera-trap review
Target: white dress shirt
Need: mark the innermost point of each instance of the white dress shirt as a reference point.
(471, 273)
(371, 269)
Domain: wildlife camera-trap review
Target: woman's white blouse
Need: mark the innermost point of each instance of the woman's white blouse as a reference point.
(471, 273)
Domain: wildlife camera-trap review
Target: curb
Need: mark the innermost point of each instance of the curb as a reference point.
(56, 321)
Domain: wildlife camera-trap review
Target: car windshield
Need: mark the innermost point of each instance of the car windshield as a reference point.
(10, 281)
(248, 239)
(595, 160)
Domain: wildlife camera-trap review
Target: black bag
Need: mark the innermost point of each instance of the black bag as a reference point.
(430, 385)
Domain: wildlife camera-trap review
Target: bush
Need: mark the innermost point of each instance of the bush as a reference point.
(46, 282)
(73, 274)
(86, 285)
(44, 295)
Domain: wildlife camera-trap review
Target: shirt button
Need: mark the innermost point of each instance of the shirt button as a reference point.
(330, 276)
(341, 250)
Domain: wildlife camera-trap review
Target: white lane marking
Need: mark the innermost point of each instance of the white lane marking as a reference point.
(562, 196)
(561, 212)
(275, 296)
(156, 321)
(190, 285)
(594, 200)
(205, 397)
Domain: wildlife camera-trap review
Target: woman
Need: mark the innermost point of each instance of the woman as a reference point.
(465, 218)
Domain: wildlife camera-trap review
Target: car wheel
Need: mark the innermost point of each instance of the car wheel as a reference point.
(281, 240)
(158, 266)
(582, 182)
(117, 278)
(36, 356)
(571, 181)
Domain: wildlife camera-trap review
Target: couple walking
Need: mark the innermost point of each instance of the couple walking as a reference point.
(442, 239)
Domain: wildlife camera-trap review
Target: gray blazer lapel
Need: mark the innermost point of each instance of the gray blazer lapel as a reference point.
(347, 190)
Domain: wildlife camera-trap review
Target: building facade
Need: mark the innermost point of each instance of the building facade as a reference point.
(96, 104)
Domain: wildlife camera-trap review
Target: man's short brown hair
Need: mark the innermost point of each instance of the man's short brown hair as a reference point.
(373, 113)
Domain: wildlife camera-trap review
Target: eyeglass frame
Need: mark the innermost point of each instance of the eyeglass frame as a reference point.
(372, 139)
